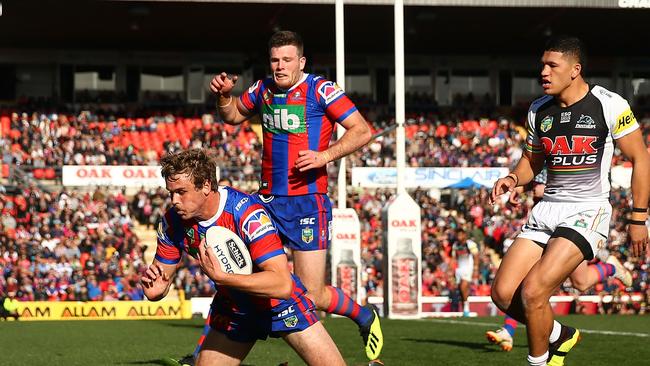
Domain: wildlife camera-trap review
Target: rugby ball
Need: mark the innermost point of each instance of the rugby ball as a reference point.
(230, 250)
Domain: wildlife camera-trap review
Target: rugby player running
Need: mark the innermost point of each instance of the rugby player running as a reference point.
(586, 275)
(299, 112)
(570, 130)
(268, 302)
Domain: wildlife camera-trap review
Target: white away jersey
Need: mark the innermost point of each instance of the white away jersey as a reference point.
(577, 142)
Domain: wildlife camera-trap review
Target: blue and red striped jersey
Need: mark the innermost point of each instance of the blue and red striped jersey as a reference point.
(243, 215)
(301, 118)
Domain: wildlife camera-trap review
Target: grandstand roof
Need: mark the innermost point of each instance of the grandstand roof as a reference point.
(610, 4)
(200, 26)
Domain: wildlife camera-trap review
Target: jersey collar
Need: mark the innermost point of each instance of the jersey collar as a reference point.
(223, 197)
(302, 79)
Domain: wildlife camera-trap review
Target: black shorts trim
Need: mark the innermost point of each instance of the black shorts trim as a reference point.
(542, 245)
(575, 238)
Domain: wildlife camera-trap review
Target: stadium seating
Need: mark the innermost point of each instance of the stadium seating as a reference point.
(444, 139)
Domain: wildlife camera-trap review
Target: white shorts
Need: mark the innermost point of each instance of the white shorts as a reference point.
(465, 271)
(585, 224)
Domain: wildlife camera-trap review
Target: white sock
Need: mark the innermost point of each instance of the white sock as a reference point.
(466, 306)
(537, 361)
(555, 333)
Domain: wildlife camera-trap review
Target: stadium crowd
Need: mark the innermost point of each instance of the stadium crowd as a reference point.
(41, 141)
(67, 245)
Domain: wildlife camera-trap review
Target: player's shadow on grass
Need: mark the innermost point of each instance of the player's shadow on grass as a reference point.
(480, 346)
(185, 325)
(161, 362)
(148, 362)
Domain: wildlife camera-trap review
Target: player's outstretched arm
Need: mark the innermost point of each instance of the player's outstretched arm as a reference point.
(356, 135)
(273, 281)
(156, 280)
(633, 147)
(228, 106)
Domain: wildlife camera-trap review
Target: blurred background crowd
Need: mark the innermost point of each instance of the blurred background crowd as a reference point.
(58, 243)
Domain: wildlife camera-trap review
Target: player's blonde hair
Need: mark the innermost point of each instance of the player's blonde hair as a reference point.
(196, 163)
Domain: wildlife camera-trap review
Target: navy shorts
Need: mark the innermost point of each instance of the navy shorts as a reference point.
(304, 222)
(250, 326)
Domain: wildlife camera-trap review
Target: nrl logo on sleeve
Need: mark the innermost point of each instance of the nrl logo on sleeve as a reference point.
(546, 124)
(257, 224)
(329, 91)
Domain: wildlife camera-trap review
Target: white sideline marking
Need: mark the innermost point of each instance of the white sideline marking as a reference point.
(586, 331)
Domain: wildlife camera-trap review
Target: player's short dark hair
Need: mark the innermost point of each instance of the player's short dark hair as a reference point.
(197, 163)
(286, 38)
(568, 45)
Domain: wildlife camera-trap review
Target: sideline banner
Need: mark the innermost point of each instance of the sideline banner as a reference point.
(424, 177)
(104, 310)
(109, 175)
(115, 175)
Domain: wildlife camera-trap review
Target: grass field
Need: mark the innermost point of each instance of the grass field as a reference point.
(607, 340)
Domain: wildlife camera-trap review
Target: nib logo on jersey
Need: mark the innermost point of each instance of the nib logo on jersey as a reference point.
(284, 118)
(586, 122)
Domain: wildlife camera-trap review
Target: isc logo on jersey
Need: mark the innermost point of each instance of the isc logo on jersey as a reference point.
(257, 224)
(284, 118)
(624, 121)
